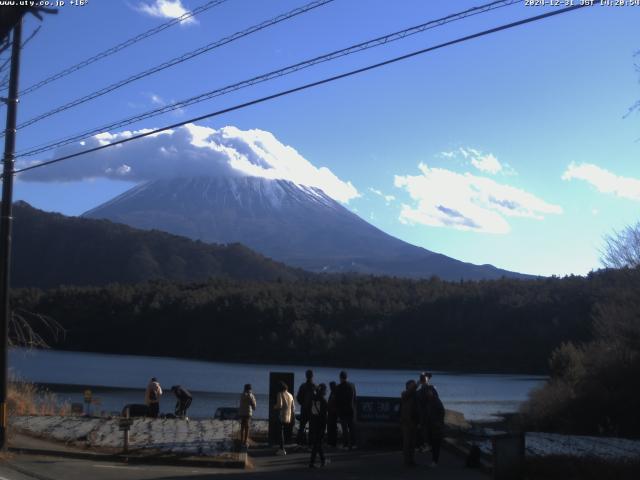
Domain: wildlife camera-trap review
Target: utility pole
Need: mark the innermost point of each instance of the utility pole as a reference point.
(6, 221)
(10, 19)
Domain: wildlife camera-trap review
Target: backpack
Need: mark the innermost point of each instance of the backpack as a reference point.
(153, 393)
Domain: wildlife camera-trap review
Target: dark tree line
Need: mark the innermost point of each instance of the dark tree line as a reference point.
(498, 325)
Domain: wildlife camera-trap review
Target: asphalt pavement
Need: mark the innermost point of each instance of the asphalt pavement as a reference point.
(355, 465)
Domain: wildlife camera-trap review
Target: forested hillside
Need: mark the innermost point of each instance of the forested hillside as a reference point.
(51, 249)
(499, 325)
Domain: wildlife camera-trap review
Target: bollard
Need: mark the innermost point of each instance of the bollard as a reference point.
(125, 425)
(508, 456)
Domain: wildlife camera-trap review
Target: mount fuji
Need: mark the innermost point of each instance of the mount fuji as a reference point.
(295, 224)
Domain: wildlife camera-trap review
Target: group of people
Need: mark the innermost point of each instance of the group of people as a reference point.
(421, 414)
(153, 393)
(422, 418)
(320, 413)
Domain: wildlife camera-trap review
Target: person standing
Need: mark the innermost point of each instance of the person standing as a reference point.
(346, 408)
(435, 422)
(184, 399)
(317, 424)
(304, 397)
(286, 414)
(423, 430)
(245, 412)
(409, 420)
(332, 416)
(152, 397)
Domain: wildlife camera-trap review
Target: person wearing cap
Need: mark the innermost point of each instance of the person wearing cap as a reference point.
(245, 412)
(152, 397)
(183, 402)
(346, 408)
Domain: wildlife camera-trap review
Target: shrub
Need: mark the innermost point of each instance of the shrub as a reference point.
(25, 398)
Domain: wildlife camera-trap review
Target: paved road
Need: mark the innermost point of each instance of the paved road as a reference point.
(344, 466)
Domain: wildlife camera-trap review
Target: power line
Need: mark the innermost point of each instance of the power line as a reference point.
(177, 60)
(274, 74)
(5, 80)
(310, 85)
(121, 46)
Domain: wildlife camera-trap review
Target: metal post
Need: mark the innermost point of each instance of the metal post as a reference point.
(126, 433)
(5, 223)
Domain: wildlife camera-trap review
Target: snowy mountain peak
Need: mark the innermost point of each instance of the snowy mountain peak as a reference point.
(297, 224)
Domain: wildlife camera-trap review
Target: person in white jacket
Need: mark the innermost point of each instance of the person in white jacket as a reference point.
(245, 412)
(152, 397)
(286, 414)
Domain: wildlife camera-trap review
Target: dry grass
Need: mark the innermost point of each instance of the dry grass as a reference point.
(25, 398)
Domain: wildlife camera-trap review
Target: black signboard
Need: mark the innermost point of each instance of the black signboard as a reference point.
(378, 409)
(274, 387)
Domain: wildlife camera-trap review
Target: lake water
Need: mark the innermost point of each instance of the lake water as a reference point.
(120, 379)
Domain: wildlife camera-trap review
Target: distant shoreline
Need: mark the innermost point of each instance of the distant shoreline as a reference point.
(312, 364)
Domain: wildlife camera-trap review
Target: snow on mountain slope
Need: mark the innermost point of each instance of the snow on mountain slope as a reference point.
(293, 223)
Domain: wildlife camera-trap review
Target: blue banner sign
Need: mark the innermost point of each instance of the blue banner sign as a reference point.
(378, 409)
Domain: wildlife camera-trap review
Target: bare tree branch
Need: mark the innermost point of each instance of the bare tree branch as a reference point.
(28, 329)
(622, 249)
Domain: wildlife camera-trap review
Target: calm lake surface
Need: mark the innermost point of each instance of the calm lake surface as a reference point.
(116, 380)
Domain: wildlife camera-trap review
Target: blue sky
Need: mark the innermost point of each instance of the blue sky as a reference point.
(511, 149)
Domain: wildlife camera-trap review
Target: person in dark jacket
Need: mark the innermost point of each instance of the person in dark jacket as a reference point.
(317, 424)
(183, 402)
(422, 435)
(346, 408)
(332, 416)
(304, 397)
(435, 422)
(409, 418)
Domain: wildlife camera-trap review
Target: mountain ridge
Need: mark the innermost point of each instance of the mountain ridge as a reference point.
(51, 249)
(298, 225)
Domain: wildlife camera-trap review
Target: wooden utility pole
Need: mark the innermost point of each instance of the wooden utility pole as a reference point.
(6, 221)
(10, 19)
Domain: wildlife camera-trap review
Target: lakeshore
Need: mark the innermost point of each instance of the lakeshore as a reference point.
(117, 380)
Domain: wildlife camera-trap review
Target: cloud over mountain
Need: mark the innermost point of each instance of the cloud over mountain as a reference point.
(192, 151)
(444, 198)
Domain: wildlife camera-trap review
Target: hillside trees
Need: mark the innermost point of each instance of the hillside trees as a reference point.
(594, 386)
(502, 325)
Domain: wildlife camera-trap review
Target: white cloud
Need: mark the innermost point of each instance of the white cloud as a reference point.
(486, 163)
(193, 150)
(387, 198)
(166, 9)
(157, 100)
(444, 198)
(604, 180)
